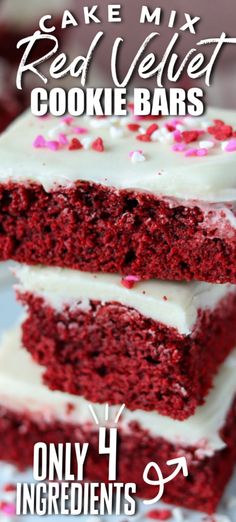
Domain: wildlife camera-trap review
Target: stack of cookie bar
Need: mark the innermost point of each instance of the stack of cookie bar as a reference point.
(125, 231)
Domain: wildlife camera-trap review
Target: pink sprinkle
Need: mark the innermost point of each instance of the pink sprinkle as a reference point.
(191, 152)
(8, 509)
(175, 121)
(179, 147)
(53, 145)
(39, 142)
(62, 139)
(177, 136)
(80, 130)
(67, 119)
(133, 151)
(231, 146)
(133, 278)
(202, 152)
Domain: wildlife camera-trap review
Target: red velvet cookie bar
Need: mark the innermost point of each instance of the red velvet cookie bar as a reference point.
(29, 412)
(154, 199)
(150, 344)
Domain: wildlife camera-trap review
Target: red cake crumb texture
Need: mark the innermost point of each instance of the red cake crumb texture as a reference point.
(127, 357)
(95, 228)
(201, 490)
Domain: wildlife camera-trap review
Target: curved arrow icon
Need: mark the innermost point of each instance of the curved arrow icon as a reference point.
(181, 465)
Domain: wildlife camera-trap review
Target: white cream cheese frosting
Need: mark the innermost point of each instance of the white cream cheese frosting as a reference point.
(24, 13)
(21, 390)
(174, 304)
(126, 163)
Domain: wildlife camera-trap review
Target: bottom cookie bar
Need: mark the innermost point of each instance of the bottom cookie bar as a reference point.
(29, 413)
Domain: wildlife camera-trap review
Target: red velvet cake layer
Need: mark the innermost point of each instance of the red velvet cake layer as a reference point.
(95, 228)
(201, 490)
(113, 353)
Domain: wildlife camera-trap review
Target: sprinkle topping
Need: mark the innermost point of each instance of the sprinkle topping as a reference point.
(137, 156)
(98, 145)
(75, 144)
(129, 281)
(193, 137)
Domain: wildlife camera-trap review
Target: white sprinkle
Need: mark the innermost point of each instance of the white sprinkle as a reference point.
(137, 157)
(180, 127)
(114, 120)
(142, 130)
(86, 142)
(125, 120)
(206, 123)
(96, 123)
(62, 128)
(224, 144)
(156, 135)
(201, 453)
(178, 514)
(190, 122)
(206, 144)
(116, 132)
(54, 132)
(164, 131)
(167, 139)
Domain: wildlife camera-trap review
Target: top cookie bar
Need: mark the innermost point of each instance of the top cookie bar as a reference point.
(153, 198)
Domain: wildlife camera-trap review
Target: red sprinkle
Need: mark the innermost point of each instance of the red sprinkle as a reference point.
(75, 144)
(219, 122)
(152, 128)
(131, 106)
(133, 127)
(159, 514)
(149, 117)
(221, 132)
(143, 137)
(70, 408)
(9, 487)
(190, 136)
(98, 145)
(170, 128)
(127, 283)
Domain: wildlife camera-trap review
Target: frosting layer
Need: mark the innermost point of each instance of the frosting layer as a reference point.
(126, 162)
(21, 389)
(173, 304)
